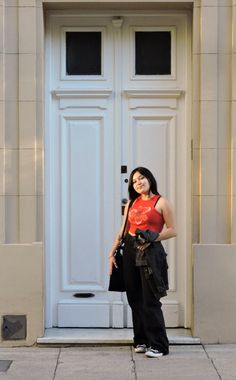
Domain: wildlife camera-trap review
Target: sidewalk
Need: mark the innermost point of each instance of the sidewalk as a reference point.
(210, 362)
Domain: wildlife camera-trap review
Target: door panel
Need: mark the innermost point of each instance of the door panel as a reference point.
(154, 125)
(153, 141)
(82, 144)
(81, 200)
(96, 123)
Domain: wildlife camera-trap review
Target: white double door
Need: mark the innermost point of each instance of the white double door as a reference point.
(111, 105)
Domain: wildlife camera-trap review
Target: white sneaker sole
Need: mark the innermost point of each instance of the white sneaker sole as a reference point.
(150, 354)
(140, 350)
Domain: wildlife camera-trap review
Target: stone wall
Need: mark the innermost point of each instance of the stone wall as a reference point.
(21, 163)
(214, 161)
(214, 227)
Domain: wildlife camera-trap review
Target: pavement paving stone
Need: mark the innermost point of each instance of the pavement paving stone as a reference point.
(173, 369)
(29, 363)
(183, 362)
(220, 351)
(209, 362)
(223, 357)
(187, 352)
(226, 368)
(98, 363)
(29, 353)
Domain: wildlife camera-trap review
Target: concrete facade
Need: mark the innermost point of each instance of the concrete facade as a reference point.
(213, 165)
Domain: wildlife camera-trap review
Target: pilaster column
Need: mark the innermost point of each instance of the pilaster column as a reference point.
(215, 54)
(21, 81)
(233, 124)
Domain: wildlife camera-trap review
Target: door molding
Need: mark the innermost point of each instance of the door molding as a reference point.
(158, 93)
(71, 98)
(153, 98)
(99, 100)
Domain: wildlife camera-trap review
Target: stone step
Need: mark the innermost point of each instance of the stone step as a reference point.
(108, 336)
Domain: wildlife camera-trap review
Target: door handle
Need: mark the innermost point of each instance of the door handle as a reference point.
(124, 201)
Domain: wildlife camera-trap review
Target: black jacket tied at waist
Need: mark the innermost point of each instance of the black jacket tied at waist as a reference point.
(155, 255)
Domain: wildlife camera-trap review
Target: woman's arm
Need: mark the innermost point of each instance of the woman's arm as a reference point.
(169, 230)
(117, 241)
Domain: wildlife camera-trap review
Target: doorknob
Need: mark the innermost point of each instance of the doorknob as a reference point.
(124, 201)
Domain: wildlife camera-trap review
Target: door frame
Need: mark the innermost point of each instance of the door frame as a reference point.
(49, 205)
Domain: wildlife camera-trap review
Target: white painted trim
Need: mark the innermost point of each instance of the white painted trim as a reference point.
(159, 78)
(172, 93)
(48, 186)
(188, 171)
(57, 14)
(155, 98)
(88, 93)
(85, 314)
(117, 111)
(157, 93)
(104, 68)
(73, 98)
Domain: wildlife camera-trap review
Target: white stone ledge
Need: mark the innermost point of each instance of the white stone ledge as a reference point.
(107, 336)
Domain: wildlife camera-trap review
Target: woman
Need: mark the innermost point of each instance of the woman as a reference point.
(150, 220)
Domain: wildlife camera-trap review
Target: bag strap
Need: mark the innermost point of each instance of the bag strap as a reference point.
(126, 220)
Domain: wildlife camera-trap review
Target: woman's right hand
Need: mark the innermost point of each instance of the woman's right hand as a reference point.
(112, 261)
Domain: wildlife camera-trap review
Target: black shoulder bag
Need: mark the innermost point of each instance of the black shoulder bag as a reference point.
(117, 283)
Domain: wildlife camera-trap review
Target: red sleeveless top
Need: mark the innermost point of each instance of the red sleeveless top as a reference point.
(143, 215)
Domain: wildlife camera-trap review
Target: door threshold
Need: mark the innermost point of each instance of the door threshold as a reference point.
(101, 336)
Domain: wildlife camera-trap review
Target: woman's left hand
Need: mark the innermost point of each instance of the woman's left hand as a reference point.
(112, 261)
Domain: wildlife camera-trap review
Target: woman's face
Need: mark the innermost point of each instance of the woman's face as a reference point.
(140, 183)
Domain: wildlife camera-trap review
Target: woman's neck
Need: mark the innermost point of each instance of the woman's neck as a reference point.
(146, 196)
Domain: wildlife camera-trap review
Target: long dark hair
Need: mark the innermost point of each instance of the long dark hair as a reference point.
(150, 177)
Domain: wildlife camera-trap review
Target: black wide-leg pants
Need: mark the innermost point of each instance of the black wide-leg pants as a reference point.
(148, 321)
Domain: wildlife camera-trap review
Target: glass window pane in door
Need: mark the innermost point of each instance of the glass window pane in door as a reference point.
(83, 53)
(153, 53)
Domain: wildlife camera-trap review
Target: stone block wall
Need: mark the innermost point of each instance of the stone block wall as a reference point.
(213, 166)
